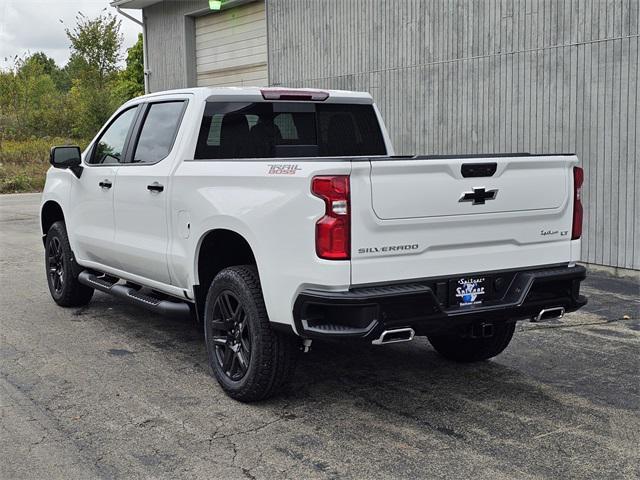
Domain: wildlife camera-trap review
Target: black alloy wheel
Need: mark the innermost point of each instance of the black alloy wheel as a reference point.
(250, 360)
(62, 271)
(231, 336)
(55, 264)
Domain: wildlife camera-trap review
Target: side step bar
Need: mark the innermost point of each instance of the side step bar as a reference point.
(135, 296)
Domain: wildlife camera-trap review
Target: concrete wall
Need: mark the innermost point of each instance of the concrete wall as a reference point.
(171, 40)
(489, 76)
(171, 43)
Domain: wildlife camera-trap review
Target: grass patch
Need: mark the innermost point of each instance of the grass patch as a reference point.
(24, 163)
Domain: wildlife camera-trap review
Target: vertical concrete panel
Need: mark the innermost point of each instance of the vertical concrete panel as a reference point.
(170, 43)
(623, 152)
(633, 169)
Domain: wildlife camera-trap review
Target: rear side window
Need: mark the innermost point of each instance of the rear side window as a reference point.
(349, 130)
(288, 129)
(158, 131)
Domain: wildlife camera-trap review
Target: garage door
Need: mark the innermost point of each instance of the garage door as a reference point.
(231, 47)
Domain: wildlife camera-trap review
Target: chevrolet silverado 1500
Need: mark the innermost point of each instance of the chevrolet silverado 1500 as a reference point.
(282, 216)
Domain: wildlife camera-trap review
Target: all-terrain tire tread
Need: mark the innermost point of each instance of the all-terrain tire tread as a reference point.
(278, 356)
(74, 294)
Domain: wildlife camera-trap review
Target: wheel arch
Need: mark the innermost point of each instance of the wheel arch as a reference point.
(50, 213)
(230, 248)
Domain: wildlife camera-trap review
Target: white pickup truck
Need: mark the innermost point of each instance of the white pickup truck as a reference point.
(282, 216)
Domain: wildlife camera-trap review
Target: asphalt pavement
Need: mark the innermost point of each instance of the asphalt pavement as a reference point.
(112, 391)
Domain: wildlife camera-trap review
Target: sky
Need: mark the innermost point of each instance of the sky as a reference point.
(34, 26)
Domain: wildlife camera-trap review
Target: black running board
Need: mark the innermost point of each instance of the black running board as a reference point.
(135, 296)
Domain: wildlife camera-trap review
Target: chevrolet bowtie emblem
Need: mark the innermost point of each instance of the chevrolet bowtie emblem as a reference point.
(478, 196)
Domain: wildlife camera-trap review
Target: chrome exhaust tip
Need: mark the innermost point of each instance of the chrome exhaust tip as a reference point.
(554, 313)
(395, 336)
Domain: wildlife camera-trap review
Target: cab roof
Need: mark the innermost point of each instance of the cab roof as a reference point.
(260, 94)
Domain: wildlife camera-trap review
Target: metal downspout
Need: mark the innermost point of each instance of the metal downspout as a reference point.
(145, 67)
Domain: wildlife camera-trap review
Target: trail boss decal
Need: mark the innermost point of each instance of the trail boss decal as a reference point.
(470, 291)
(283, 169)
(390, 248)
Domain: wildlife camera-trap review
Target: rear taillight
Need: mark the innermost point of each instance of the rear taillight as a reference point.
(578, 180)
(333, 230)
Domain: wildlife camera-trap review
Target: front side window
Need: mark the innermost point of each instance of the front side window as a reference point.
(110, 146)
(158, 132)
(288, 129)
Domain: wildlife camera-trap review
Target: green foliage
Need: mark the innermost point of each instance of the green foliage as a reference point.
(30, 101)
(135, 64)
(24, 163)
(41, 63)
(130, 82)
(42, 104)
(90, 107)
(96, 44)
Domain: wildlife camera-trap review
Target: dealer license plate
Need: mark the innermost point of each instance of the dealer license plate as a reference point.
(469, 290)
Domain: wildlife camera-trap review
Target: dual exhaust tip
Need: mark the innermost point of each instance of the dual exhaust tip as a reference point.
(398, 335)
(554, 313)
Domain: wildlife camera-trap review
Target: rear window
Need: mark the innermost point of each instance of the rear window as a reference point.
(158, 132)
(288, 129)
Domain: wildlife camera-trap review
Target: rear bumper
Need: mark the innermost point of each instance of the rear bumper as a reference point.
(424, 305)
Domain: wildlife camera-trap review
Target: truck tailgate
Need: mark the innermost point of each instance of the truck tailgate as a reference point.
(438, 216)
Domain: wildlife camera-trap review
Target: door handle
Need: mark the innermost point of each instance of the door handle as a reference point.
(105, 184)
(155, 187)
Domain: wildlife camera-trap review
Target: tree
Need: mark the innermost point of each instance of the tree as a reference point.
(38, 98)
(30, 102)
(95, 51)
(38, 60)
(135, 65)
(96, 44)
(131, 79)
(41, 63)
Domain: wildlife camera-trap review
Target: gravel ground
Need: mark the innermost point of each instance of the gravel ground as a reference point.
(112, 391)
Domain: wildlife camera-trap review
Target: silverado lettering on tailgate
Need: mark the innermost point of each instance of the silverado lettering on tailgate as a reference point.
(390, 248)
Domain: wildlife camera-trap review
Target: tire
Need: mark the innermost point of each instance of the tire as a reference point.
(466, 349)
(62, 270)
(247, 357)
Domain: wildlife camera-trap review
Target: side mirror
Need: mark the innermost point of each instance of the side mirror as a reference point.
(66, 156)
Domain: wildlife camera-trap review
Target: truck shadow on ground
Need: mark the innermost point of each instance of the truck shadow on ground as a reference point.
(402, 405)
(404, 378)
(406, 402)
